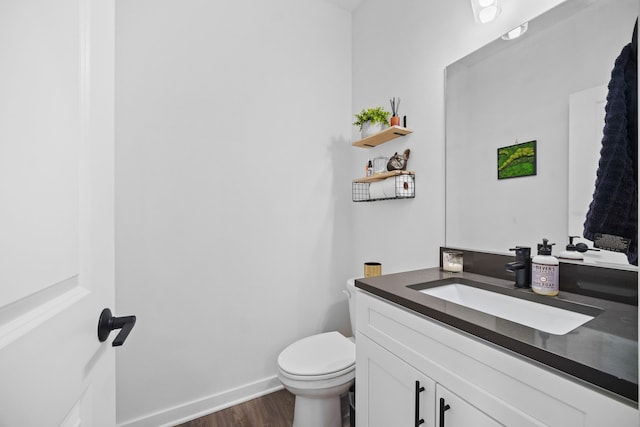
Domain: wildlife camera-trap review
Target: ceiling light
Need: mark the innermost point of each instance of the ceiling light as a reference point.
(485, 10)
(516, 32)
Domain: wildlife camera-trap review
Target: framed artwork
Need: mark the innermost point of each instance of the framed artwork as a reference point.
(517, 160)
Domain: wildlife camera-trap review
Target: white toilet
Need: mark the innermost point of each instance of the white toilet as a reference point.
(318, 370)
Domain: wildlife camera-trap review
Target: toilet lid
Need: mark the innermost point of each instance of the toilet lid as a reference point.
(318, 354)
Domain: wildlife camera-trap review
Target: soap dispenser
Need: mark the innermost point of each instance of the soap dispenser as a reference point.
(545, 270)
(574, 251)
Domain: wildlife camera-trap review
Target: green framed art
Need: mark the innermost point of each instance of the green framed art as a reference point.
(517, 160)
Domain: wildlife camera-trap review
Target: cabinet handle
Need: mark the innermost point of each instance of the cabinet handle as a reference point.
(418, 391)
(443, 408)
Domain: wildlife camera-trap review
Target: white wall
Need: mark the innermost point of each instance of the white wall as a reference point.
(233, 195)
(235, 226)
(401, 48)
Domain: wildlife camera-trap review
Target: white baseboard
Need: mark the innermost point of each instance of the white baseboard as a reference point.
(198, 408)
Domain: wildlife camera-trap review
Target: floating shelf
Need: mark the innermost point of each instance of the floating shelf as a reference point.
(382, 176)
(384, 186)
(381, 137)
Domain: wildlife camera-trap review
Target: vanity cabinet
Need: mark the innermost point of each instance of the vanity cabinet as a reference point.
(482, 384)
(453, 411)
(398, 394)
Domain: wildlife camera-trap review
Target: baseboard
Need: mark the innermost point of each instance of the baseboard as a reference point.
(198, 408)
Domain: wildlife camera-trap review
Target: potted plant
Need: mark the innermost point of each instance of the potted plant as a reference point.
(372, 120)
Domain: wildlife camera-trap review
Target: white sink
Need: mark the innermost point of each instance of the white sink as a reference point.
(542, 317)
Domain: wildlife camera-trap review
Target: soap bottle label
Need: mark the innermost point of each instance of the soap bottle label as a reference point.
(544, 279)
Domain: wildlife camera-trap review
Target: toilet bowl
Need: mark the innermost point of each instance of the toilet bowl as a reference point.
(318, 370)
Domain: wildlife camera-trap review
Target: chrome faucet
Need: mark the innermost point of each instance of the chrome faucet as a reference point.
(521, 266)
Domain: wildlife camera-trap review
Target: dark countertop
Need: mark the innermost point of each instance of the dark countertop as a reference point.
(602, 352)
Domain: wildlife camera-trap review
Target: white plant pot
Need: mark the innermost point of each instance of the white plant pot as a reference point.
(369, 129)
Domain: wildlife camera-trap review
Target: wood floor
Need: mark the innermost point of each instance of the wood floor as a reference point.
(272, 410)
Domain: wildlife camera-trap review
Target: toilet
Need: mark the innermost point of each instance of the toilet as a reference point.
(318, 370)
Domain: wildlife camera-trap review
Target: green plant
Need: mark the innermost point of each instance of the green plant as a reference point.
(373, 115)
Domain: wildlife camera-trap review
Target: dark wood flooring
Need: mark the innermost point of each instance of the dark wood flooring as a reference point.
(271, 410)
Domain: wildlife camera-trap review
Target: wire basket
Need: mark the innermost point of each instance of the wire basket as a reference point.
(396, 187)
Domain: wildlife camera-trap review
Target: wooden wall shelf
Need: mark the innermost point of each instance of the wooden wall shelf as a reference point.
(381, 176)
(386, 135)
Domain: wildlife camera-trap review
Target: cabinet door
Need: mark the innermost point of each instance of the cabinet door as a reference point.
(452, 411)
(390, 392)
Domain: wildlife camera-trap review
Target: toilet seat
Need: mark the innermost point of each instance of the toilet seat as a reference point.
(318, 357)
(347, 372)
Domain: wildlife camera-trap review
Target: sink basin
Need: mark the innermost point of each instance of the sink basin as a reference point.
(542, 317)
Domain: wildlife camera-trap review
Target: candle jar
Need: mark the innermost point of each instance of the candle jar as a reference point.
(372, 269)
(452, 261)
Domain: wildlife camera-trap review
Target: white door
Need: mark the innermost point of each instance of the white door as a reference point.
(56, 212)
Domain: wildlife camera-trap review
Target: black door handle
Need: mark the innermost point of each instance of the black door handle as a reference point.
(417, 418)
(443, 408)
(108, 323)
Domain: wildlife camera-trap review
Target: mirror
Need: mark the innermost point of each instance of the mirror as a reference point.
(512, 92)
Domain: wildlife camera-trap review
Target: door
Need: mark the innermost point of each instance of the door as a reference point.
(56, 212)
(390, 392)
(452, 411)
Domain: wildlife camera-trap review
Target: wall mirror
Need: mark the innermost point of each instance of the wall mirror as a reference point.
(511, 92)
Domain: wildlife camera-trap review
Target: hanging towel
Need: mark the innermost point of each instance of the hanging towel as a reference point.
(614, 209)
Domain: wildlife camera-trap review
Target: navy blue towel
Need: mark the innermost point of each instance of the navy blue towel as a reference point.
(614, 209)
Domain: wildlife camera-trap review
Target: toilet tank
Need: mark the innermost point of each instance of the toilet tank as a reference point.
(351, 293)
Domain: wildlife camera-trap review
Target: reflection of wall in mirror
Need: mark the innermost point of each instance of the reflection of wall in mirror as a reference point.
(522, 92)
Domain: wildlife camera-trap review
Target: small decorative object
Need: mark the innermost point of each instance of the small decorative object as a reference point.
(379, 164)
(398, 162)
(372, 269)
(452, 261)
(517, 160)
(395, 119)
(372, 120)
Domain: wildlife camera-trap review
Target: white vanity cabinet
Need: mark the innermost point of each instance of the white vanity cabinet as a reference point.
(396, 393)
(483, 385)
(453, 411)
